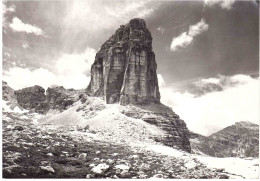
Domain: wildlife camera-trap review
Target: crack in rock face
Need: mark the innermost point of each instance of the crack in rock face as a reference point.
(124, 69)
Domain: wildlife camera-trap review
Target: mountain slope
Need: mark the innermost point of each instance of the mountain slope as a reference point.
(238, 140)
(132, 124)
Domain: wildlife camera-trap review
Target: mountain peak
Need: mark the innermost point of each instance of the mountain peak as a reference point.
(137, 23)
(124, 69)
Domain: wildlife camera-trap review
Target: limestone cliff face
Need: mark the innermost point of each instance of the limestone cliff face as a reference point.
(124, 69)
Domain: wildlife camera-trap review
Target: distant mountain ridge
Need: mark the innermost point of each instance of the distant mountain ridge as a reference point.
(238, 140)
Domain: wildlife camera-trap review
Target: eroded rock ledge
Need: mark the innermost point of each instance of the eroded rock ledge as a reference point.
(177, 135)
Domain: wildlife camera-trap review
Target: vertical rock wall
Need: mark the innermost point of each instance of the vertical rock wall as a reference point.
(125, 68)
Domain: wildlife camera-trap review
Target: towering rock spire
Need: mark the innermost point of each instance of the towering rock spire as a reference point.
(124, 69)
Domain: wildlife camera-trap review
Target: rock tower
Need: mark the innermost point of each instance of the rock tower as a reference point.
(124, 69)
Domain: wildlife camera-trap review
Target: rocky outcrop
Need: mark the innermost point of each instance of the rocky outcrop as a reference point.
(61, 98)
(9, 96)
(124, 69)
(58, 98)
(177, 134)
(32, 98)
(238, 140)
(8, 92)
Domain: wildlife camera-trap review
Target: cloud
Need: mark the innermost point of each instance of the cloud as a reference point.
(71, 71)
(225, 4)
(19, 26)
(75, 63)
(6, 10)
(18, 77)
(161, 81)
(181, 41)
(219, 83)
(186, 38)
(161, 29)
(104, 14)
(211, 112)
(26, 45)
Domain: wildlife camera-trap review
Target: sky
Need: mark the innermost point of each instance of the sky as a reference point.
(207, 51)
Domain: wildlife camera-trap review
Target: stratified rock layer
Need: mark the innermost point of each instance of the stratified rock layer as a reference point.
(177, 135)
(124, 69)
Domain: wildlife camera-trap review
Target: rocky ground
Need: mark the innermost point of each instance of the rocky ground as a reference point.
(31, 150)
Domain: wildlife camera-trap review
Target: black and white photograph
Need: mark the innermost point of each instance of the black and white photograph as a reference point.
(130, 89)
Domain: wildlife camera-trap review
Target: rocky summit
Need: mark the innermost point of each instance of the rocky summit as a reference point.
(124, 69)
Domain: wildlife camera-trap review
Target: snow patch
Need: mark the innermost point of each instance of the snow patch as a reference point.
(246, 168)
(16, 109)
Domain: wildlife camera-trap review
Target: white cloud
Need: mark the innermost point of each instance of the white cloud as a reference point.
(186, 38)
(198, 28)
(181, 41)
(94, 16)
(25, 45)
(215, 110)
(161, 81)
(225, 4)
(24, 77)
(5, 10)
(161, 29)
(72, 71)
(210, 80)
(19, 26)
(69, 64)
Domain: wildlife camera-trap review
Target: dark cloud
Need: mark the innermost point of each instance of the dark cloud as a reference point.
(230, 45)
